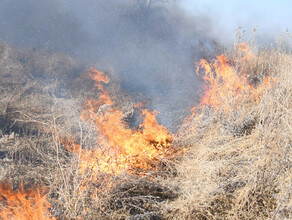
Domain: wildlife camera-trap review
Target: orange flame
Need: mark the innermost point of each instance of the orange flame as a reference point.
(121, 149)
(222, 81)
(99, 77)
(23, 204)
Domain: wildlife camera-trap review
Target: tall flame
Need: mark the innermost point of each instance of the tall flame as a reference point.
(121, 149)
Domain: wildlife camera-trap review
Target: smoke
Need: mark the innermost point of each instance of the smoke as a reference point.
(272, 18)
(151, 48)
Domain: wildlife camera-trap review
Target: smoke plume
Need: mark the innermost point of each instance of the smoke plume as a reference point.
(150, 47)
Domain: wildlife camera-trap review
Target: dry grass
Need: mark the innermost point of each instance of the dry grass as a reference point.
(37, 114)
(237, 163)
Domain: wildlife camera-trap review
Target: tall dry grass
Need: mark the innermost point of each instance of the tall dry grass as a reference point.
(238, 164)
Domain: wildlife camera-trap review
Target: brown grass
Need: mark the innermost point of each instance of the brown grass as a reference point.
(237, 163)
(228, 174)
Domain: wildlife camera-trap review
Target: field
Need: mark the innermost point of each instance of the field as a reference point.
(74, 145)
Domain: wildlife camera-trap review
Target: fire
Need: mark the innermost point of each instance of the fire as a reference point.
(120, 149)
(223, 81)
(23, 204)
(99, 77)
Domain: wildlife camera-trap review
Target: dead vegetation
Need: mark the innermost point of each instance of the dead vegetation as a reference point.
(40, 108)
(236, 165)
(239, 161)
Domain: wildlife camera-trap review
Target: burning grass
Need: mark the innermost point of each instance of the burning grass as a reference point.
(23, 203)
(239, 161)
(230, 160)
(121, 149)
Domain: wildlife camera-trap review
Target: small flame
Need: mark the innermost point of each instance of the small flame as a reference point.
(23, 204)
(100, 77)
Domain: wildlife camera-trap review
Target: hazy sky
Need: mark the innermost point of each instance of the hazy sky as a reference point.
(271, 16)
